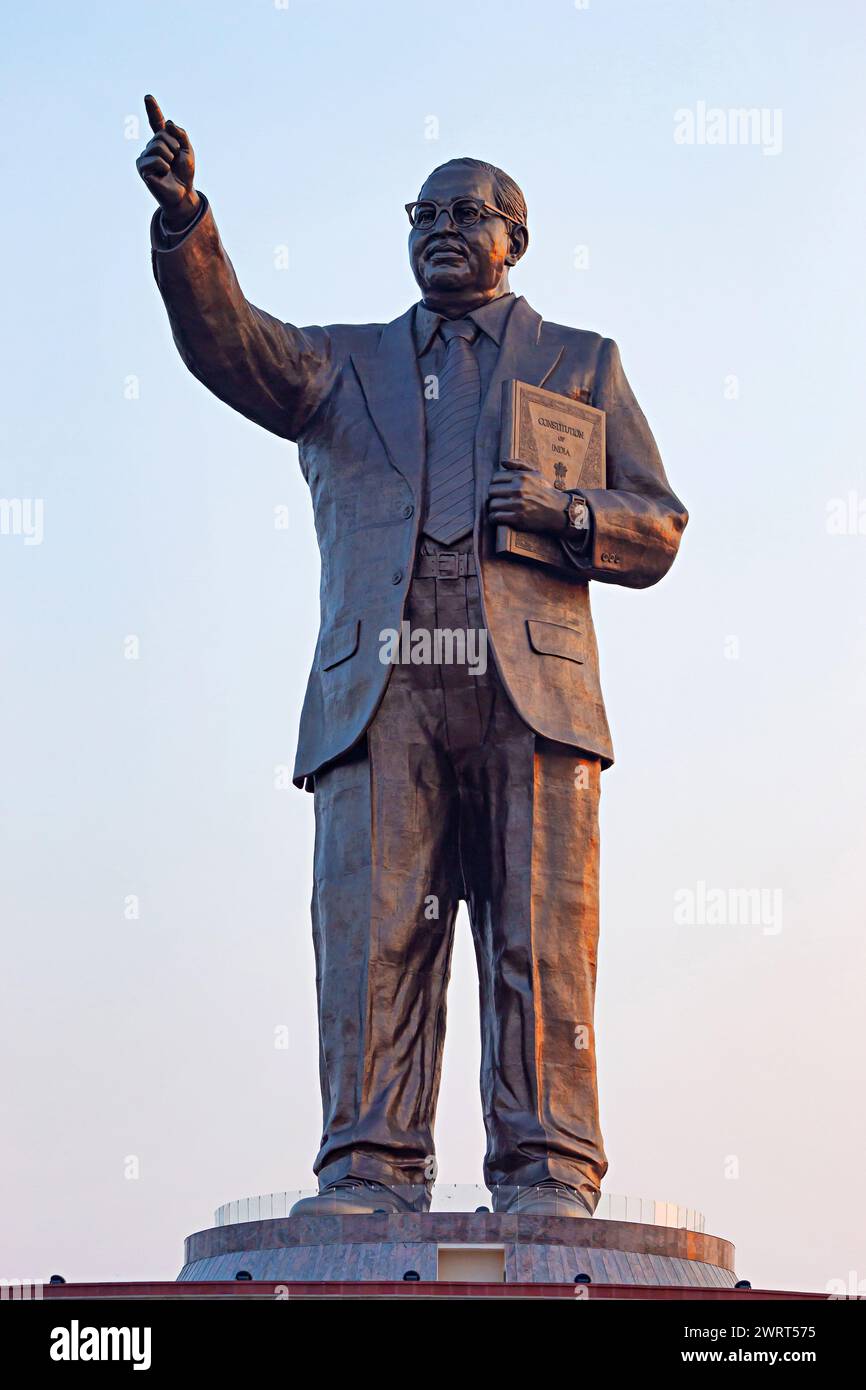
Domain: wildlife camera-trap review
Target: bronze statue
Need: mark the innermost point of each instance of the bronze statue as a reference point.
(440, 779)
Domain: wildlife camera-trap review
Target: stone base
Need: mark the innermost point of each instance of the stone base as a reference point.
(467, 1246)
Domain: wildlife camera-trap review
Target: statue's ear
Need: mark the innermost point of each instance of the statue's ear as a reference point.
(517, 244)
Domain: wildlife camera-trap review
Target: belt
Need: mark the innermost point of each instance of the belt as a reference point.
(446, 564)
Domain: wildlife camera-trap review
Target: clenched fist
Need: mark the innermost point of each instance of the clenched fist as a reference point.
(167, 166)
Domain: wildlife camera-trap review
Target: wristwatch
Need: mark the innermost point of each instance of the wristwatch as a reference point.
(577, 512)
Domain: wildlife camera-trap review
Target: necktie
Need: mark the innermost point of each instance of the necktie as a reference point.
(452, 420)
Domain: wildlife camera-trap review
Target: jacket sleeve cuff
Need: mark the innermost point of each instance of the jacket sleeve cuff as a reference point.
(163, 239)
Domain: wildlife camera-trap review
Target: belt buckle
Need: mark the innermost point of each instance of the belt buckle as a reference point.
(448, 564)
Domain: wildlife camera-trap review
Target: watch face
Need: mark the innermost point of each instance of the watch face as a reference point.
(578, 513)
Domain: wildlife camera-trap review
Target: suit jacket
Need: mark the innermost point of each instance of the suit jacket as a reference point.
(351, 396)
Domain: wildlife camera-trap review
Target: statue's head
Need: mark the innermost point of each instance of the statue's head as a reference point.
(468, 227)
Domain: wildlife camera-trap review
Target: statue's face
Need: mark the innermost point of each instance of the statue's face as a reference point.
(451, 259)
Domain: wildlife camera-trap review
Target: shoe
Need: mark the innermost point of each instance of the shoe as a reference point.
(352, 1197)
(546, 1198)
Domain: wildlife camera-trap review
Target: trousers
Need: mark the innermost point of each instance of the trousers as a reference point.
(451, 797)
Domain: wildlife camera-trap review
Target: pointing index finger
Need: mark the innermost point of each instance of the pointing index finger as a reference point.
(154, 115)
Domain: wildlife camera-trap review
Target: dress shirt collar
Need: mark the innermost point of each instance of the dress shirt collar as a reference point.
(490, 318)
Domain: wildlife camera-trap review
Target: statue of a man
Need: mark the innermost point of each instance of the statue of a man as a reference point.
(439, 780)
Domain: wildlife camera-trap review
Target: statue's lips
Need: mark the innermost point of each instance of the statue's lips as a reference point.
(445, 253)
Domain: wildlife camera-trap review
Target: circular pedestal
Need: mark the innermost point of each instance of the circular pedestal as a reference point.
(469, 1246)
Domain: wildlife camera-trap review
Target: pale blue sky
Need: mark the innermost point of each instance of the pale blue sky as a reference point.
(735, 689)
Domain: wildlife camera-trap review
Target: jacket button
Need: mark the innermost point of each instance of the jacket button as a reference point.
(408, 510)
(396, 577)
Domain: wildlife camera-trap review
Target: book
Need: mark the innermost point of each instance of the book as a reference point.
(564, 439)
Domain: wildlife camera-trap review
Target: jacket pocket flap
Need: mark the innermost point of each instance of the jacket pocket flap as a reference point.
(553, 639)
(339, 643)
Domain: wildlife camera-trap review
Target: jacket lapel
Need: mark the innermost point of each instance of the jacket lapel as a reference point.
(391, 385)
(522, 356)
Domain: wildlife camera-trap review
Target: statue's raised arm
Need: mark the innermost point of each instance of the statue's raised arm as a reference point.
(270, 371)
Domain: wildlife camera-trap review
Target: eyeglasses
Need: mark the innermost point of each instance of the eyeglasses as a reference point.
(463, 212)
